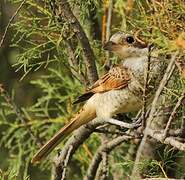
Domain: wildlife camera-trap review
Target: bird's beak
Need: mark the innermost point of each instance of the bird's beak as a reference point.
(108, 46)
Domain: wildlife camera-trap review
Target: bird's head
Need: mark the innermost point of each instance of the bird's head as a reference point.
(126, 45)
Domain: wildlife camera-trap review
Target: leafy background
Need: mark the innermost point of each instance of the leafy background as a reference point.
(40, 85)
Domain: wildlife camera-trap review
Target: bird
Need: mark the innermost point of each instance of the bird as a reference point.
(117, 91)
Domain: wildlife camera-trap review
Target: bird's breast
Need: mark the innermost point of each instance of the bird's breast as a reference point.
(113, 102)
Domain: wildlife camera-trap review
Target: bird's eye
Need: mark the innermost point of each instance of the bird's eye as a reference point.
(129, 39)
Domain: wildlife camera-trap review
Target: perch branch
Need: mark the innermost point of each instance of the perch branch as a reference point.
(78, 137)
(159, 136)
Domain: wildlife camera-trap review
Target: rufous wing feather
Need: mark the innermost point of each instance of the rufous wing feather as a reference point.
(117, 78)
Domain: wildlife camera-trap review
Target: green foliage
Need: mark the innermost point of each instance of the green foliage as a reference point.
(41, 58)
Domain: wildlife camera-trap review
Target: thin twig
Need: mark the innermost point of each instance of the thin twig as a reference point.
(163, 82)
(10, 21)
(146, 78)
(178, 104)
(104, 20)
(158, 135)
(108, 27)
(66, 162)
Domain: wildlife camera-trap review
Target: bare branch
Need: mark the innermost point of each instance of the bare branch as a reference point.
(64, 12)
(168, 140)
(66, 162)
(102, 173)
(121, 124)
(78, 137)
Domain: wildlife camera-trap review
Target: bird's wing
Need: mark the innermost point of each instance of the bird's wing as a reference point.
(117, 78)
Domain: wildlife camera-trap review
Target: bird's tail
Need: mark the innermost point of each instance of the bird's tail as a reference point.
(83, 116)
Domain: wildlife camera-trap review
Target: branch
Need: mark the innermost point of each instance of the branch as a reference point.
(159, 136)
(78, 137)
(66, 162)
(10, 21)
(146, 79)
(103, 170)
(104, 148)
(63, 11)
(162, 84)
(178, 104)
